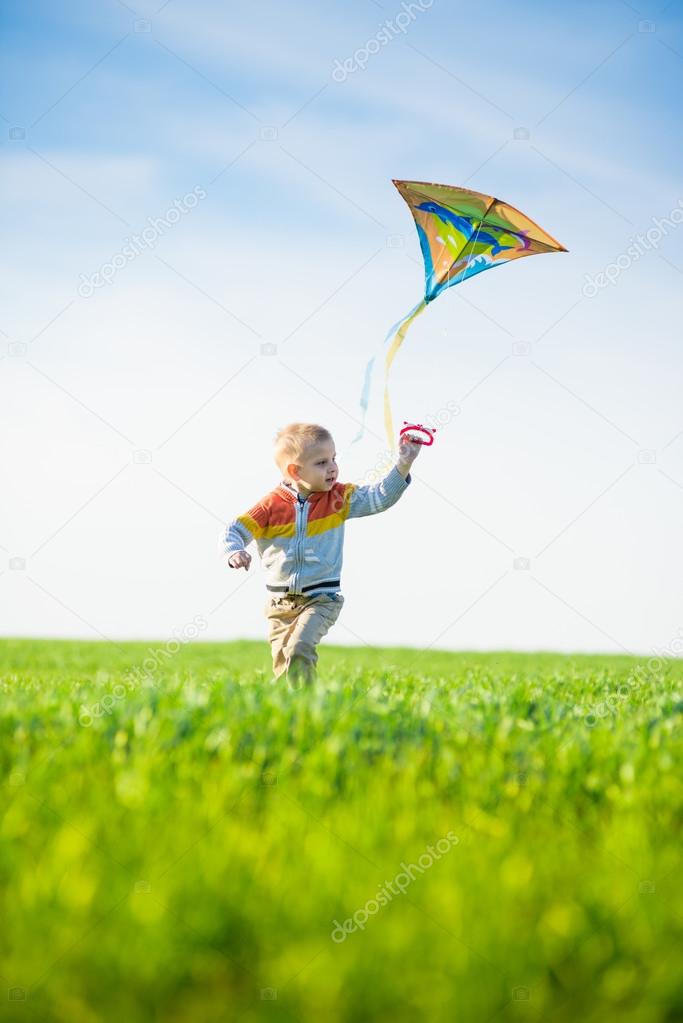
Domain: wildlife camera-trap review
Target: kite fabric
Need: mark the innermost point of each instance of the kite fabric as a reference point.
(461, 233)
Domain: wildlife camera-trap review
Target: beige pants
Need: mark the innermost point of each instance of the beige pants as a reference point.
(296, 624)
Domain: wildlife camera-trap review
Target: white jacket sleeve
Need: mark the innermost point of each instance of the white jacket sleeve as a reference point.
(241, 531)
(377, 497)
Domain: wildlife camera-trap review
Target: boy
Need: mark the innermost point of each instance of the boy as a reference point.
(299, 532)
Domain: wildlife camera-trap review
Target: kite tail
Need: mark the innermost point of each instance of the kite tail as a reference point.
(395, 345)
(398, 332)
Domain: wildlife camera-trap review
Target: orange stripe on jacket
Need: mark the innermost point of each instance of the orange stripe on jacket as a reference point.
(276, 516)
(331, 511)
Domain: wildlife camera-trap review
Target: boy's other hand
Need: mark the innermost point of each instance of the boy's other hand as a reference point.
(240, 559)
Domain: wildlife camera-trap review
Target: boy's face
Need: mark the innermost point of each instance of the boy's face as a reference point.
(317, 469)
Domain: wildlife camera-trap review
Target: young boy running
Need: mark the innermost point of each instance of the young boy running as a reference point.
(299, 532)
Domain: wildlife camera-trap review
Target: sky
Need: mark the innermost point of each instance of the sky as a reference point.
(255, 146)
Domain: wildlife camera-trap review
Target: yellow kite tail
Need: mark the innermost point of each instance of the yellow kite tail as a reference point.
(395, 345)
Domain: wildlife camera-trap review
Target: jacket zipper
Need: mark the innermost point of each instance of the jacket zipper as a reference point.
(301, 516)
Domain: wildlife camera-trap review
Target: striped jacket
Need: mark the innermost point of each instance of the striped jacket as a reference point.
(300, 540)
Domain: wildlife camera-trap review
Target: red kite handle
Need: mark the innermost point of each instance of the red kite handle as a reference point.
(429, 433)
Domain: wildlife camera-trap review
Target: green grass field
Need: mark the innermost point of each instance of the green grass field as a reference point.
(178, 847)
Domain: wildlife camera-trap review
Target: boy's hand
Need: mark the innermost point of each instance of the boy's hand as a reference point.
(240, 559)
(408, 451)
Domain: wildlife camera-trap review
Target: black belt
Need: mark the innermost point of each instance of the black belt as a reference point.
(304, 589)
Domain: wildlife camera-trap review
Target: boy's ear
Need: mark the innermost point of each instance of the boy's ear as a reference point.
(293, 471)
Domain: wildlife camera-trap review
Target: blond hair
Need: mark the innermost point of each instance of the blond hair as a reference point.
(291, 442)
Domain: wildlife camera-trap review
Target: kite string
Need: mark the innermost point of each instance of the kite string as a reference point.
(398, 331)
(400, 337)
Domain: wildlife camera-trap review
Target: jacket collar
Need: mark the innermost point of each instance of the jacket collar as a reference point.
(292, 494)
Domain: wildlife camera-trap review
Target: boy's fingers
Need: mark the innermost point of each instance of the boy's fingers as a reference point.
(240, 560)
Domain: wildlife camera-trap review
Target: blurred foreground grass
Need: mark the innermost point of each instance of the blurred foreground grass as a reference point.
(179, 847)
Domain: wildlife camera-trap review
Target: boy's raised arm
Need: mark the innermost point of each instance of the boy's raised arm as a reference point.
(369, 500)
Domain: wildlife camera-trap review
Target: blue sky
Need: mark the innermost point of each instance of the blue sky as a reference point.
(110, 112)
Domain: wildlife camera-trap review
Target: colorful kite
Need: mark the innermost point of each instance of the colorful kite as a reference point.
(461, 234)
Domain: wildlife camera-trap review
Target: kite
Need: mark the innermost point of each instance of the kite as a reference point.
(461, 233)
